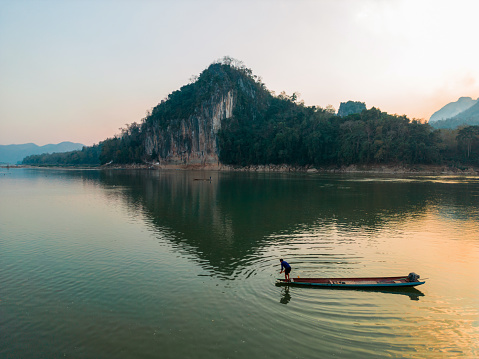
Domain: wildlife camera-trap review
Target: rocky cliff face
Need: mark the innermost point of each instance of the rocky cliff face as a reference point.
(183, 130)
(351, 107)
(192, 140)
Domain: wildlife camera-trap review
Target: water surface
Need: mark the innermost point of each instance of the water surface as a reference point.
(171, 264)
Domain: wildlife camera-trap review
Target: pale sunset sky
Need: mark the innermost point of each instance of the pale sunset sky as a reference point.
(79, 70)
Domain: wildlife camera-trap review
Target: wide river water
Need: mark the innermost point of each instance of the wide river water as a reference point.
(170, 264)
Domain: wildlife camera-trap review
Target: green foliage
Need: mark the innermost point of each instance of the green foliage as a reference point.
(87, 156)
(468, 140)
(124, 148)
(298, 135)
(283, 133)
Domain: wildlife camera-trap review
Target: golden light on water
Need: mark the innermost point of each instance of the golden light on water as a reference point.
(449, 323)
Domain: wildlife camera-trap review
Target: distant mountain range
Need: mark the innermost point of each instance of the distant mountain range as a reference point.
(13, 154)
(465, 111)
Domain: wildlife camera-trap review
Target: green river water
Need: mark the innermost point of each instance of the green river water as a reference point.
(173, 264)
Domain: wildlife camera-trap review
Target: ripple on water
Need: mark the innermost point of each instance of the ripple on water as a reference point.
(135, 287)
(351, 322)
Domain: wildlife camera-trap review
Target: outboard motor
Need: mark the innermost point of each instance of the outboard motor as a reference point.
(413, 277)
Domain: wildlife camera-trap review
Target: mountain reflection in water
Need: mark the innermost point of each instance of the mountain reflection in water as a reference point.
(136, 263)
(225, 220)
(209, 217)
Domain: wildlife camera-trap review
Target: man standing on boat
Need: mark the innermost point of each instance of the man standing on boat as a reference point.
(287, 269)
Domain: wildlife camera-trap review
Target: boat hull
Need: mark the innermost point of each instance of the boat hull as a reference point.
(372, 282)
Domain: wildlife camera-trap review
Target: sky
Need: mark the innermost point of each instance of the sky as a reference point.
(81, 70)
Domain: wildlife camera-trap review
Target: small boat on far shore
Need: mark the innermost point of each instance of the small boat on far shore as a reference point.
(410, 280)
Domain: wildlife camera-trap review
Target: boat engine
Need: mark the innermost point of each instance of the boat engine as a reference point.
(413, 277)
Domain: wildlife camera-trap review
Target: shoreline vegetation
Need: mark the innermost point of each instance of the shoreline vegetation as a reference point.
(226, 119)
(399, 169)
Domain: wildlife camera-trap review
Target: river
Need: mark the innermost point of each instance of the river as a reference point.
(182, 264)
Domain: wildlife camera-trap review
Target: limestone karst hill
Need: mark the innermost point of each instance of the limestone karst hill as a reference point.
(184, 128)
(227, 117)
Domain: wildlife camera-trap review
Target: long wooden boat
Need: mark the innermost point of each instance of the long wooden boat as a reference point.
(368, 282)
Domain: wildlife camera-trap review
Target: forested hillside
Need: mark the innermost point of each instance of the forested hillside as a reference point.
(227, 116)
(87, 156)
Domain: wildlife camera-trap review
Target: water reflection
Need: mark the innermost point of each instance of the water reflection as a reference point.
(228, 217)
(412, 293)
(136, 262)
(285, 296)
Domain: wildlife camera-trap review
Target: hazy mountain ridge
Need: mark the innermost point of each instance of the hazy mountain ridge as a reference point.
(471, 114)
(469, 117)
(452, 109)
(465, 111)
(13, 154)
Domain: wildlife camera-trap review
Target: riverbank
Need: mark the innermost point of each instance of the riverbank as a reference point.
(384, 169)
(377, 169)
